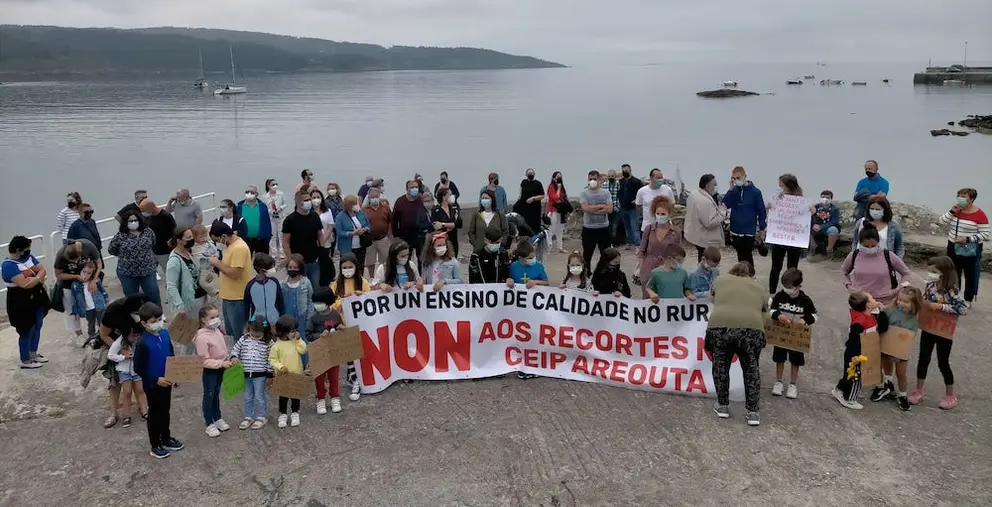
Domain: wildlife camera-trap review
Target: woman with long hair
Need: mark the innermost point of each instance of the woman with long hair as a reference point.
(608, 278)
(558, 208)
(655, 239)
(399, 271)
(182, 276)
(325, 257)
(880, 217)
(134, 246)
(788, 185)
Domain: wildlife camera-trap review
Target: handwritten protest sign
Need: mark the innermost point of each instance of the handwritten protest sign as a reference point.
(898, 342)
(940, 323)
(789, 222)
(291, 385)
(182, 329)
(795, 336)
(184, 369)
(871, 370)
(234, 381)
(334, 348)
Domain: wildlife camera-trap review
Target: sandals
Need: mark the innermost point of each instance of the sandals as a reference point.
(110, 422)
(144, 417)
(126, 422)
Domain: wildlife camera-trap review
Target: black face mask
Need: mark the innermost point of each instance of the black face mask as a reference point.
(870, 174)
(530, 177)
(613, 178)
(626, 174)
(87, 215)
(293, 273)
(26, 253)
(71, 204)
(612, 267)
(189, 244)
(496, 181)
(444, 179)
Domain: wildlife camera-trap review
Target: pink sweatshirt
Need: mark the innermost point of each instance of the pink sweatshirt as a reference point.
(870, 274)
(210, 345)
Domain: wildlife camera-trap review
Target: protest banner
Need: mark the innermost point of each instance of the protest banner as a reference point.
(292, 385)
(793, 336)
(182, 329)
(939, 323)
(789, 222)
(871, 370)
(234, 381)
(476, 331)
(898, 342)
(183, 369)
(334, 348)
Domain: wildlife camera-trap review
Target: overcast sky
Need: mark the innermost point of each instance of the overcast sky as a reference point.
(579, 31)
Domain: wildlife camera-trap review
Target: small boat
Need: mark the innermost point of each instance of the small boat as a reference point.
(811, 76)
(201, 82)
(231, 89)
(794, 82)
(886, 80)
(954, 82)
(730, 84)
(859, 83)
(828, 82)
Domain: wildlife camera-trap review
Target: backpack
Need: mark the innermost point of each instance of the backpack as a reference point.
(893, 279)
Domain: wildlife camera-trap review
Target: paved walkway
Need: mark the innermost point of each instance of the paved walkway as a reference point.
(507, 442)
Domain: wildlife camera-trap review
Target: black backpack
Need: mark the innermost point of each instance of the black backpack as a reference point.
(893, 278)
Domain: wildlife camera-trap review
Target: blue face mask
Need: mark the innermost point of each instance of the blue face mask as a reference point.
(374, 201)
(661, 220)
(530, 262)
(307, 205)
(876, 214)
(900, 309)
(870, 251)
(962, 201)
(677, 266)
(485, 203)
(739, 183)
(414, 192)
(493, 247)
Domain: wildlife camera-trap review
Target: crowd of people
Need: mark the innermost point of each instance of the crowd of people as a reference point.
(224, 275)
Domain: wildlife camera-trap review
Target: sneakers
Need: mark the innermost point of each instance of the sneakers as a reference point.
(335, 405)
(258, 424)
(321, 407)
(212, 431)
(222, 425)
(722, 411)
(356, 392)
(159, 452)
(950, 401)
(915, 396)
(174, 445)
(294, 419)
(903, 403)
(38, 358)
(880, 392)
(753, 419)
(281, 423)
(853, 405)
(792, 392)
(525, 376)
(245, 424)
(777, 389)
(30, 364)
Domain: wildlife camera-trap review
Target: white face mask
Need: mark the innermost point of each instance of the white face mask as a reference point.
(315, 201)
(441, 250)
(402, 261)
(133, 226)
(274, 187)
(451, 199)
(320, 307)
(271, 272)
(156, 326)
(356, 208)
(593, 184)
(348, 272)
(250, 196)
(575, 270)
(331, 192)
(825, 200)
(214, 323)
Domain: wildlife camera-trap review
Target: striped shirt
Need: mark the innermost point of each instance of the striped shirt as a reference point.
(65, 219)
(974, 226)
(253, 354)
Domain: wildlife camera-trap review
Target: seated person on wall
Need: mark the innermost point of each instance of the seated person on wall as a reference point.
(826, 225)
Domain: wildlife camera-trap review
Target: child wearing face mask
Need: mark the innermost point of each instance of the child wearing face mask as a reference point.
(491, 263)
(790, 305)
(89, 299)
(211, 346)
(866, 316)
(575, 277)
(349, 283)
(701, 278)
(203, 249)
(903, 313)
(398, 271)
(941, 294)
(325, 319)
(263, 294)
(252, 351)
(297, 292)
(526, 269)
(286, 356)
(150, 355)
(121, 352)
(440, 265)
(670, 280)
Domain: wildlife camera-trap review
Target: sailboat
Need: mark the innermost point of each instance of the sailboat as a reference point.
(231, 89)
(200, 82)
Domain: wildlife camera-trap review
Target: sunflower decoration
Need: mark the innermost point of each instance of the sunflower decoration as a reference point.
(852, 369)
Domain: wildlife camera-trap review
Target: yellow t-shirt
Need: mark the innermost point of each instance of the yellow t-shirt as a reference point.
(236, 256)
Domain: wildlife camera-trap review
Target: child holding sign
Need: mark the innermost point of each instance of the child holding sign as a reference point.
(212, 347)
(528, 271)
(252, 350)
(941, 295)
(349, 283)
(575, 277)
(326, 318)
(866, 317)
(150, 355)
(287, 357)
(902, 313)
(121, 352)
(790, 305)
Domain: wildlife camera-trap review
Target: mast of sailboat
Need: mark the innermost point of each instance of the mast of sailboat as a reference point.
(200, 50)
(965, 63)
(233, 78)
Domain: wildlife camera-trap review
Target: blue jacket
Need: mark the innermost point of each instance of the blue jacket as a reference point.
(628, 192)
(264, 221)
(747, 209)
(343, 225)
(833, 216)
(866, 188)
(86, 229)
(150, 354)
(100, 299)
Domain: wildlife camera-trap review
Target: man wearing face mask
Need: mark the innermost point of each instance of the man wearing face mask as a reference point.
(164, 226)
(872, 185)
(380, 217)
(185, 210)
(303, 233)
(826, 226)
(612, 186)
(255, 226)
(597, 204)
(139, 195)
(409, 217)
(500, 203)
(629, 212)
(364, 189)
(235, 273)
(646, 194)
(747, 215)
(86, 228)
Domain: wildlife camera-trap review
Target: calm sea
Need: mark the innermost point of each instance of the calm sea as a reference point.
(107, 138)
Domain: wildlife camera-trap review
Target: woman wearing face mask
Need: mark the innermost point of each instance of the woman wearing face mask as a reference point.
(227, 214)
(136, 263)
(446, 217)
(440, 265)
(889, 232)
(182, 277)
(873, 269)
(558, 210)
(352, 229)
(967, 229)
(275, 204)
(333, 200)
(704, 217)
(529, 206)
(255, 224)
(68, 215)
(656, 239)
(788, 185)
(487, 219)
(329, 241)
(450, 185)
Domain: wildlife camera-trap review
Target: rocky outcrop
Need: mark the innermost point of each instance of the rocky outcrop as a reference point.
(976, 122)
(948, 132)
(725, 93)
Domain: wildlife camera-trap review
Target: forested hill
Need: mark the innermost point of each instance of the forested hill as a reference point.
(50, 49)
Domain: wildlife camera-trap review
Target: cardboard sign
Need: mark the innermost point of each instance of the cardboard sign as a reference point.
(183, 369)
(795, 336)
(871, 370)
(940, 323)
(335, 348)
(182, 329)
(234, 381)
(789, 222)
(292, 385)
(898, 342)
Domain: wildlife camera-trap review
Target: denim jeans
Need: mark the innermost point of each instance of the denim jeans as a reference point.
(256, 398)
(131, 285)
(27, 343)
(631, 225)
(211, 394)
(312, 272)
(234, 317)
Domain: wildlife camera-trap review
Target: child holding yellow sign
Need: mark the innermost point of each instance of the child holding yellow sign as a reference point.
(866, 317)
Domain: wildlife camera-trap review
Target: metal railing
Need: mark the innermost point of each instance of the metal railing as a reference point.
(54, 244)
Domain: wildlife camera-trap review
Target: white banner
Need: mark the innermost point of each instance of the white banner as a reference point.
(789, 222)
(476, 331)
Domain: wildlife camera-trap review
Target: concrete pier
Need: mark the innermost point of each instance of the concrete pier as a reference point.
(937, 75)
